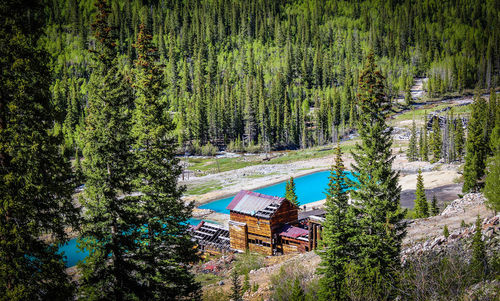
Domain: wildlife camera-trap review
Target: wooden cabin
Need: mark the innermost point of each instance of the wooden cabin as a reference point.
(256, 220)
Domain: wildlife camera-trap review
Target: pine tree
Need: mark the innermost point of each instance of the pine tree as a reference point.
(338, 229)
(434, 207)
(424, 147)
(297, 291)
(446, 233)
(492, 187)
(235, 287)
(412, 147)
(479, 262)
(459, 139)
(378, 194)
(109, 223)
(35, 179)
(421, 205)
(290, 192)
(156, 172)
(475, 155)
(437, 143)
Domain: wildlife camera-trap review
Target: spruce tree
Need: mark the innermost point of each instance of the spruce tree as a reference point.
(446, 233)
(109, 229)
(297, 291)
(164, 250)
(412, 147)
(290, 192)
(479, 262)
(378, 194)
(434, 207)
(338, 229)
(437, 143)
(492, 186)
(421, 205)
(476, 151)
(235, 287)
(424, 148)
(459, 137)
(35, 179)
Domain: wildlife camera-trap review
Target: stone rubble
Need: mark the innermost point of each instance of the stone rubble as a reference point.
(459, 205)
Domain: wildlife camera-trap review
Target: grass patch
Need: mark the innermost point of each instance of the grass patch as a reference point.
(212, 165)
(256, 176)
(204, 188)
(247, 262)
(207, 279)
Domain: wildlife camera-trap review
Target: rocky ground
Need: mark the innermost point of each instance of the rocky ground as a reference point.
(422, 235)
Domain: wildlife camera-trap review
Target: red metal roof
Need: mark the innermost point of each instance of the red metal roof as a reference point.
(250, 202)
(293, 232)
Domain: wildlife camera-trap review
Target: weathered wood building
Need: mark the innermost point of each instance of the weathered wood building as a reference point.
(256, 220)
(262, 223)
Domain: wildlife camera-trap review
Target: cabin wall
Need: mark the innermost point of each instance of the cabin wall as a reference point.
(238, 236)
(291, 245)
(286, 213)
(255, 225)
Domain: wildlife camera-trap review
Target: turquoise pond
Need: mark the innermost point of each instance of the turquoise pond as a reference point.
(73, 254)
(309, 188)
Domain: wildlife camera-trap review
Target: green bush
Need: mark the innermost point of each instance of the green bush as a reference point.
(209, 150)
(247, 262)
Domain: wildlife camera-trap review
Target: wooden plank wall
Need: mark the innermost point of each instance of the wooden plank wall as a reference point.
(255, 225)
(238, 234)
(286, 213)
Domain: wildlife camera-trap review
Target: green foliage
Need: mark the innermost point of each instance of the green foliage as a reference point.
(284, 283)
(444, 275)
(246, 284)
(412, 147)
(290, 192)
(479, 262)
(245, 70)
(446, 233)
(434, 208)
(247, 262)
(236, 292)
(436, 141)
(35, 179)
(476, 146)
(297, 291)
(380, 228)
(424, 146)
(338, 231)
(492, 187)
(421, 205)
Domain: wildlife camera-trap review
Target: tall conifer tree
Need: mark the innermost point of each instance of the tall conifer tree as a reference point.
(35, 179)
(290, 192)
(412, 147)
(476, 150)
(110, 219)
(421, 205)
(338, 229)
(164, 250)
(378, 194)
(437, 142)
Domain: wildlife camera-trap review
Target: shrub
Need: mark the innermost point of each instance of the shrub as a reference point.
(247, 262)
(209, 149)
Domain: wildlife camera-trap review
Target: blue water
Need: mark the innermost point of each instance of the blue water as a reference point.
(73, 255)
(309, 188)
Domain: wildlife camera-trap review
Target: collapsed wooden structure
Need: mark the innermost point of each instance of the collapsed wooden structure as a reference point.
(261, 223)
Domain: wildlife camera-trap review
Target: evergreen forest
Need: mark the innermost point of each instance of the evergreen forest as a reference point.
(273, 74)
